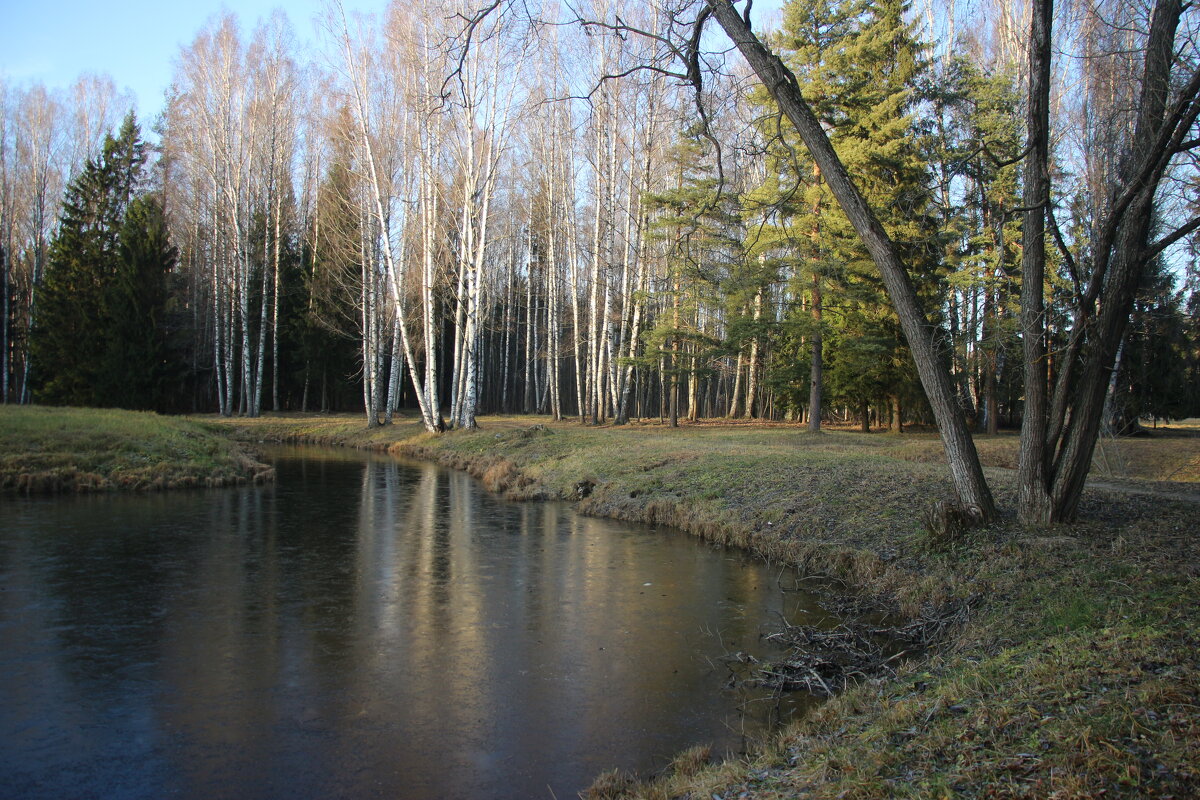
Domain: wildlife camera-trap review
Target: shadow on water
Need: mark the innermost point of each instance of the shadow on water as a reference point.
(366, 627)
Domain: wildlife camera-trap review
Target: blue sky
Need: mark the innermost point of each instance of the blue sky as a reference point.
(134, 41)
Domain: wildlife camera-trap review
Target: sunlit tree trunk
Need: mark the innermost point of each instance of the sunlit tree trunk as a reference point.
(965, 468)
(752, 370)
(816, 380)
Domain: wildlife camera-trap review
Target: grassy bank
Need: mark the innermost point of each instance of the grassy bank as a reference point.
(45, 450)
(1074, 674)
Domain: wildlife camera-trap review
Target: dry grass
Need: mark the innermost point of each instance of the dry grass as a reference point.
(1074, 676)
(1168, 453)
(48, 450)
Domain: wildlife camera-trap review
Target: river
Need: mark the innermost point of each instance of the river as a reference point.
(366, 627)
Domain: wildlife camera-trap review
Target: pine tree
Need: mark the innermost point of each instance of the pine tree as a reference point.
(699, 222)
(68, 342)
(1152, 368)
(858, 62)
(101, 338)
(142, 366)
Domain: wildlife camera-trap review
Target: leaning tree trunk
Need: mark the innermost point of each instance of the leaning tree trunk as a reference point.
(965, 469)
(1158, 124)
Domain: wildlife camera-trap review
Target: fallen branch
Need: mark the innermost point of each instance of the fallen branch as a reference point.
(824, 662)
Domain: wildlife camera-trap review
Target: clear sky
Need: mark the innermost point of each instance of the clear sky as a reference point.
(135, 41)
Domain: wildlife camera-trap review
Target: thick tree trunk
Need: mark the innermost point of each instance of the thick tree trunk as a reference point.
(1058, 437)
(815, 372)
(965, 469)
(1033, 491)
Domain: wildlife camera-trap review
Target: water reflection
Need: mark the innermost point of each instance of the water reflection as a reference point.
(365, 628)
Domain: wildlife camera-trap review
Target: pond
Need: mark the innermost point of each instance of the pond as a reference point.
(366, 627)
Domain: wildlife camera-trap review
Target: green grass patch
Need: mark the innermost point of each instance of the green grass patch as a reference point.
(44, 450)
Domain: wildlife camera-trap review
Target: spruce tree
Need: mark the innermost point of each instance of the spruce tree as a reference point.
(98, 339)
(1152, 370)
(973, 144)
(858, 62)
(699, 222)
(143, 364)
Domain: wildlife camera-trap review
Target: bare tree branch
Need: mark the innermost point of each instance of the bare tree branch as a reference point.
(1162, 244)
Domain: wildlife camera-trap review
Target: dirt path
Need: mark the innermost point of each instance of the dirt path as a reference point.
(1184, 494)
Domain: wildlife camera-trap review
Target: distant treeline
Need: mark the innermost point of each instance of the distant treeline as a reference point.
(399, 221)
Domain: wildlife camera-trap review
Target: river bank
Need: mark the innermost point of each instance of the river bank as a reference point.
(47, 450)
(1070, 670)
(1073, 673)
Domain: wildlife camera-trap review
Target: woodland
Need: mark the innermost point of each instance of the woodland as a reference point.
(970, 215)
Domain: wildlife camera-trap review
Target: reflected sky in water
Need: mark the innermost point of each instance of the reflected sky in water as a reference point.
(364, 628)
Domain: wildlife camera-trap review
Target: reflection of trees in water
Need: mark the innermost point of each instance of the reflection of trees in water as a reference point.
(378, 618)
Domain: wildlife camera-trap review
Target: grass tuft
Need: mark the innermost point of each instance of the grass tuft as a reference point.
(610, 785)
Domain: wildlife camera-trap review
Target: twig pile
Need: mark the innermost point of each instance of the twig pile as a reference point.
(825, 662)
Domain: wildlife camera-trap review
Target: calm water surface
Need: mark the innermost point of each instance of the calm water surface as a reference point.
(364, 628)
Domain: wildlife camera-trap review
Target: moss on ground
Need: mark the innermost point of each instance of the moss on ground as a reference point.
(46, 450)
(1075, 675)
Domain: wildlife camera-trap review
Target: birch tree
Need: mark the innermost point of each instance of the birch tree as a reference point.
(275, 107)
(36, 169)
(211, 135)
(7, 239)
(487, 104)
